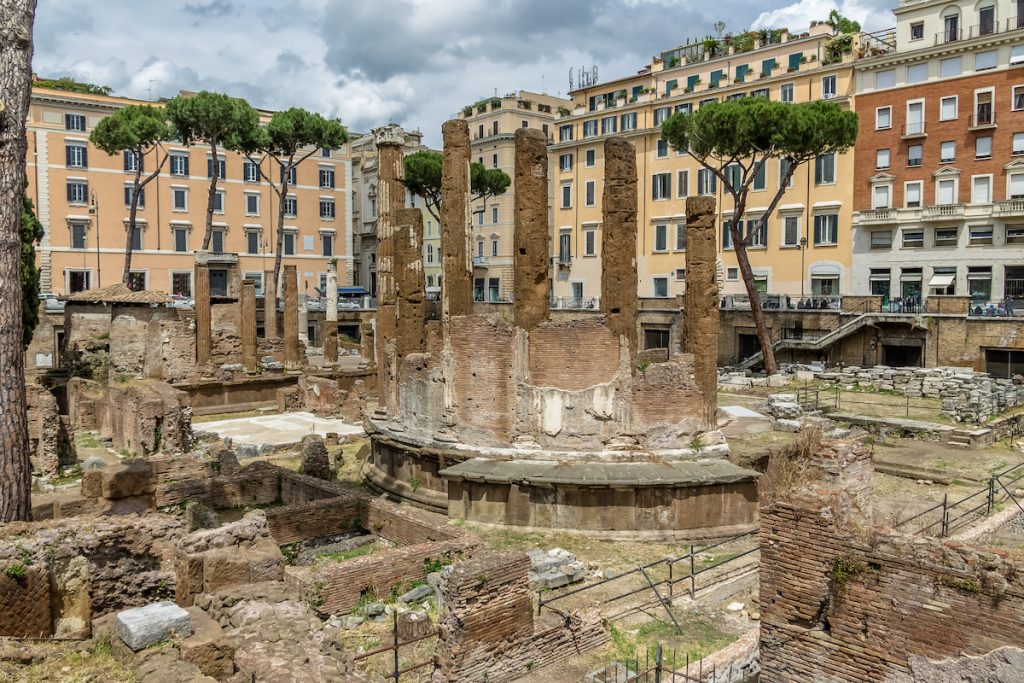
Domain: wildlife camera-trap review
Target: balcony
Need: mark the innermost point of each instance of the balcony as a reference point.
(943, 212)
(874, 216)
(914, 129)
(950, 35)
(573, 303)
(479, 261)
(1009, 208)
(982, 119)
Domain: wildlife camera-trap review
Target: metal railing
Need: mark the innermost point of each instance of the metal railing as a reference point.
(394, 647)
(913, 129)
(591, 303)
(982, 118)
(658, 666)
(949, 36)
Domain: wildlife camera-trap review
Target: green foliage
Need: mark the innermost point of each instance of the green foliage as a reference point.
(836, 47)
(841, 24)
(563, 111)
(964, 585)
(137, 127)
(423, 178)
(432, 565)
(643, 365)
(697, 442)
(16, 571)
(71, 85)
(415, 484)
(31, 233)
(289, 131)
(212, 118)
(844, 570)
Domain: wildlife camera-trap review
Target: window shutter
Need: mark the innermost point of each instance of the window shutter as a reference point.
(1017, 186)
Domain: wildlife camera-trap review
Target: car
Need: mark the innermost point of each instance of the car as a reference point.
(182, 301)
(51, 302)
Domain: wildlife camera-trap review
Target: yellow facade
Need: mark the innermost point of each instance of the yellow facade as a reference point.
(633, 107)
(81, 195)
(492, 126)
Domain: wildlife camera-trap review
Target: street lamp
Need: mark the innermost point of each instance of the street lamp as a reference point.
(94, 209)
(803, 250)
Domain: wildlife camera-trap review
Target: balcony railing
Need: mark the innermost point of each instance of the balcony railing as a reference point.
(914, 129)
(939, 212)
(573, 303)
(1010, 207)
(886, 215)
(983, 118)
(949, 36)
(479, 261)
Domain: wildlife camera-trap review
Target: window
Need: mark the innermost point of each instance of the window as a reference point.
(912, 195)
(494, 214)
(883, 118)
(945, 237)
(250, 172)
(326, 208)
(326, 244)
(660, 238)
(608, 124)
(661, 186)
(880, 196)
(218, 202)
(683, 182)
(1014, 235)
(136, 280)
(291, 206)
(986, 60)
(784, 165)
(589, 242)
(525, 123)
(786, 92)
(917, 73)
(761, 92)
(565, 247)
(707, 182)
(979, 282)
(591, 158)
(951, 27)
(661, 114)
(981, 189)
(913, 239)
(252, 204)
(289, 244)
(480, 217)
(662, 149)
(828, 87)
(494, 246)
(882, 158)
(590, 128)
(885, 79)
(727, 233)
(983, 147)
(825, 169)
(947, 151)
(628, 122)
(826, 229)
(945, 191)
(74, 122)
(179, 198)
(881, 239)
(1017, 51)
(680, 236)
(1017, 103)
(915, 155)
(565, 133)
(181, 239)
(680, 274)
(494, 128)
(915, 118)
(947, 108)
(132, 162)
(983, 115)
(1018, 144)
(78, 235)
(591, 191)
(136, 237)
(327, 178)
(494, 161)
(325, 152)
(78, 192)
(757, 234)
(760, 179)
(289, 175)
(917, 30)
(791, 231)
(128, 191)
(661, 287)
(733, 176)
(179, 164)
(565, 162)
(566, 196)
(1015, 188)
(221, 168)
(949, 68)
(981, 235)
(77, 156)
(732, 274)
(252, 242)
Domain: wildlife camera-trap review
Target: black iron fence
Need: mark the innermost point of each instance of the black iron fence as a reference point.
(394, 648)
(659, 666)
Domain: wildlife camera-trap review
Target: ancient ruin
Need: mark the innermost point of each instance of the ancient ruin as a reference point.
(545, 423)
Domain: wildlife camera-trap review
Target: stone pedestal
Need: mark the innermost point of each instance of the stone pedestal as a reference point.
(618, 242)
(700, 320)
(331, 315)
(531, 304)
(456, 230)
(203, 320)
(291, 319)
(248, 326)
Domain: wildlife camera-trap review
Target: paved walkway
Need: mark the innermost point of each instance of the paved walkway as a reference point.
(278, 429)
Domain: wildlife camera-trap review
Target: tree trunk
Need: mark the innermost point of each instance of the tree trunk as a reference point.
(133, 212)
(279, 250)
(747, 273)
(211, 196)
(15, 86)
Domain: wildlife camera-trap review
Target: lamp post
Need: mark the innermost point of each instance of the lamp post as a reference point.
(803, 250)
(94, 209)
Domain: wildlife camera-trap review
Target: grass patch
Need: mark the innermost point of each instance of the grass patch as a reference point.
(699, 637)
(67, 475)
(87, 440)
(362, 550)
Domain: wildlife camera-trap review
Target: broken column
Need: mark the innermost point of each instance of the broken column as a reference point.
(618, 242)
(331, 315)
(390, 169)
(248, 325)
(270, 330)
(531, 305)
(700, 319)
(291, 318)
(315, 460)
(411, 332)
(203, 319)
(456, 227)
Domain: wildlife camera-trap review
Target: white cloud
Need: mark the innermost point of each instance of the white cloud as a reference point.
(800, 14)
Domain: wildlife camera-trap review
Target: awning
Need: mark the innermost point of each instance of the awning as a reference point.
(941, 280)
(352, 291)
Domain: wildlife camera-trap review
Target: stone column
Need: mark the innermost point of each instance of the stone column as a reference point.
(331, 315)
(618, 242)
(700, 315)
(391, 197)
(291, 319)
(532, 287)
(270, 330)
(456, 226)
(248, 325)
(203, 315)
(411, 332)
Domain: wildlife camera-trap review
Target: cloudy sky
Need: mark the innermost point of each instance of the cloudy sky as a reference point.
(413, 62)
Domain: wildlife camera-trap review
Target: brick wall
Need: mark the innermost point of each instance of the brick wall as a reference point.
(666, 393)
(248, 487)
(485, 391)
(406, 525)
(25, 601)
(573, 355)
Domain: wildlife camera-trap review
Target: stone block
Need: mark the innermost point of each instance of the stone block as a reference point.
(208, 648)
(416, 594)
(787, 425)
(92, 483)
(412, 625)
(144, 626)
(232, 566)
(132, 478)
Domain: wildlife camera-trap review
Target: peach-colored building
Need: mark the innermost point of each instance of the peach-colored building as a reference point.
(81, 197)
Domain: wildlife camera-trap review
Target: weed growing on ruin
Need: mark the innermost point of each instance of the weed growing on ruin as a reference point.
(643, 365)
(786, 464)
(415, 484)
(843, 571)
(348, 554)
(367, 597)
(432, 565)
(16, 571)
(102, 646)
(964, 585)
(697, 443)
(290, 552)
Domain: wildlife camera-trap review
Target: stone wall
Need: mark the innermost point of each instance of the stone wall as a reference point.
(484, 380)
(48, 432)
(844, 601)
(557, 347)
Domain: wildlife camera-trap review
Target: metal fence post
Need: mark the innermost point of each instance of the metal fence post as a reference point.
(657, 664)
(945, 514)
(908, 405)
(991, 494)
(839, 397)
(671, 588)
(693, 577)
(394, 631)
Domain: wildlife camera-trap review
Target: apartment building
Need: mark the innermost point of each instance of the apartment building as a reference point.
(492, 126)
(82, 195)
(939, 193)
(805, 248)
